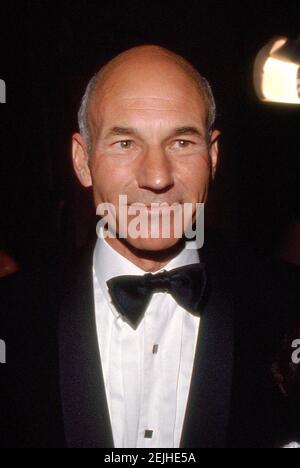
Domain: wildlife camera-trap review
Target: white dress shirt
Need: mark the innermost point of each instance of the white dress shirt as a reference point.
(147, 372)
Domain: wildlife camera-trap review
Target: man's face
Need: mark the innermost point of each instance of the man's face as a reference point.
(150, 143)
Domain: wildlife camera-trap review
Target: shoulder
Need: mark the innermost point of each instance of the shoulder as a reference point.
(265, 291)
(37, 292)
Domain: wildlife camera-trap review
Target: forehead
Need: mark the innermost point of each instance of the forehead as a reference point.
(148, 93)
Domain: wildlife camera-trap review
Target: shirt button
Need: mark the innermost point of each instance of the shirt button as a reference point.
(148, 434)
(155, 349)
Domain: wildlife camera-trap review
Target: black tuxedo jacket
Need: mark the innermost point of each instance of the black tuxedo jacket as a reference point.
(52, 389)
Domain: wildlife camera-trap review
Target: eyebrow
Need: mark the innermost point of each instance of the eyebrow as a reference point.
(187, 131)
(121, 131)
(128, 131)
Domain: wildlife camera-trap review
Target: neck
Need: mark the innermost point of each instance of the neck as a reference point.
(148, 261)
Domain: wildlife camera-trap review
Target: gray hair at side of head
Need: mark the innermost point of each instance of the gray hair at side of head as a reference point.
(83, 111)
(202, 83)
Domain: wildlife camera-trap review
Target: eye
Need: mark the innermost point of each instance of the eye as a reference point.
(124, 144)
(182, 144)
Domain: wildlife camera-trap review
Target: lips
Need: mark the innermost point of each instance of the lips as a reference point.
(151, 207)
(161, 204)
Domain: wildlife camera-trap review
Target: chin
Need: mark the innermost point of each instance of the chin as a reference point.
(153, 245)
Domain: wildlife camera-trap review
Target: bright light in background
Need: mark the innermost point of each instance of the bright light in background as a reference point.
(280, 82)
(277, 72)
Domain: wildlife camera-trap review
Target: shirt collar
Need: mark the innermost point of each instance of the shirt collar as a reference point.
(109, 263)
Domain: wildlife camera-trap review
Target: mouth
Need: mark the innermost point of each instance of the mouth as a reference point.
(155, 204)
(155, 208)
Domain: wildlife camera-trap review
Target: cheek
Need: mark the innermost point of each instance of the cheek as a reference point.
(195, 174)
(202, 165)
(109, 177)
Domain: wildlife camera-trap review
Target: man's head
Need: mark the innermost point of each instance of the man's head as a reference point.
(146, 131)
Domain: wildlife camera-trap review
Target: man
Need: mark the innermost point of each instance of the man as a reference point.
(104, 353)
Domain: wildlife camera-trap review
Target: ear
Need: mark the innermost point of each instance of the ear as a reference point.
(214, 151)
(80, 160)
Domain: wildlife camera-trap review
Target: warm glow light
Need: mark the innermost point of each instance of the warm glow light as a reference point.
(279, 83)
(276, 77)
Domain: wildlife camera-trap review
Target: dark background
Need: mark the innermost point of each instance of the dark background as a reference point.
(48, 52)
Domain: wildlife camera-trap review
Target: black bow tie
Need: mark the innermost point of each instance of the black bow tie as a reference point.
(132, 294)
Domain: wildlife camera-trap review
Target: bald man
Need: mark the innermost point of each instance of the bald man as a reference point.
(144, 341)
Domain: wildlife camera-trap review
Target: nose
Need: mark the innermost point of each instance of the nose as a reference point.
(155, 171)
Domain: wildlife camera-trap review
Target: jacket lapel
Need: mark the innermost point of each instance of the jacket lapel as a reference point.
(85, 410)
(207, 416)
